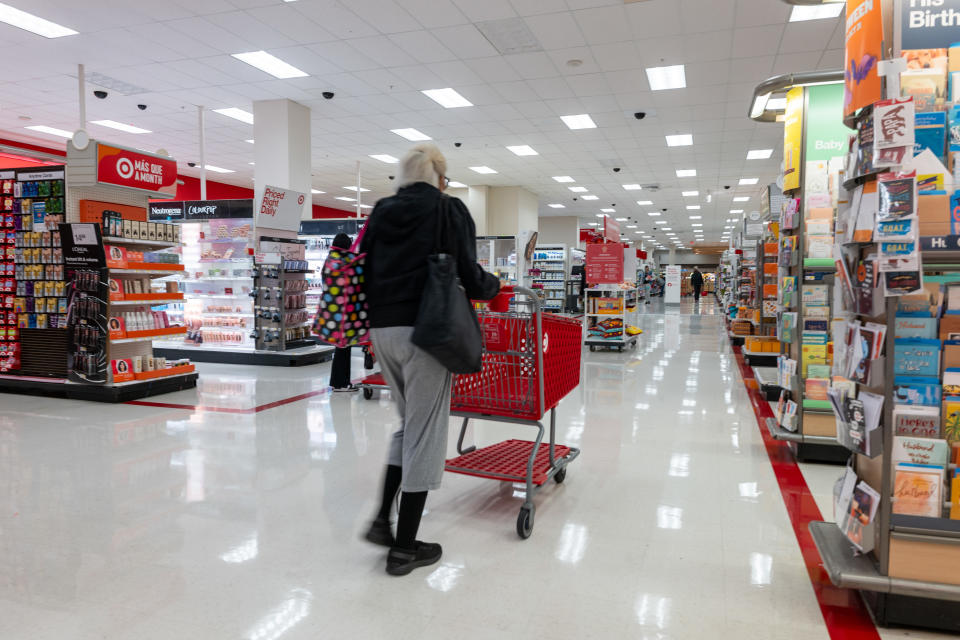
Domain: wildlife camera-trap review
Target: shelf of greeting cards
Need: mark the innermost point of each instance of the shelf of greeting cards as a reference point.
(139, 243)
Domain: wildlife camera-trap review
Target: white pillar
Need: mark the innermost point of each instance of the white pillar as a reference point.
(560, 230)
(511, 210)
(282, 152)
(203, 152)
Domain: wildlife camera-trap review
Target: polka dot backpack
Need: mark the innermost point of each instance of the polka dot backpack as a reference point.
(342, 319)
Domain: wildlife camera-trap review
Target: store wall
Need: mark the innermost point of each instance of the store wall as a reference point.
(688, 258)
(510, 210)
(560, 230)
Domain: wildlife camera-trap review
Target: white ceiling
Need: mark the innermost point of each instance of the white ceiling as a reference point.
(377, 55)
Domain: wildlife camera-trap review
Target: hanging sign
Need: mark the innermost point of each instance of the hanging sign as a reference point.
(793, 139)
(611, 229)
(604, 263)
(136, 170)
(864, 40)
(826, 134)
(928, 24)
(280, 209)
(82, 246)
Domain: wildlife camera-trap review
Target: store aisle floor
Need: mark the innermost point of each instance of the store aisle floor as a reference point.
(222, 521)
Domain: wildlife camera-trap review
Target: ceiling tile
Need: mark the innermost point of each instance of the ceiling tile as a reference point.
(466, 40)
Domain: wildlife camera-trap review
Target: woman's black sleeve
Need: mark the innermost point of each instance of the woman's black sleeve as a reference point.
(479, 284)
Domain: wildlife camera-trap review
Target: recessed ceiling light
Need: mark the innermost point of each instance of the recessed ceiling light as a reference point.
(383, 157)
(556, 206)
(618, 219)
(632, 187)
(236, 114)
(693, 207)
(644, 203)
(563, 179)
(316, 191)
(578, 189)
(346, 199)
(611, 211)
(447, 98)
(591, 197)
(696, 217)
(696, 224)
(690, 194)
(742, 199)
(210, 167)
(683, 140)
(482, 169)
(759, 154)
(653, 213)
(457, 185)
(119, 126)
(748, 181)
(411, 134)
(53, 131)
(250, 141)
(581, 121)
(270, 64)
(362, 190)
(802, 13)
(631, 226)
(686, 173)
(32, 23)
(667, 229)
(673, 77)
(523, 150)
(736, 210)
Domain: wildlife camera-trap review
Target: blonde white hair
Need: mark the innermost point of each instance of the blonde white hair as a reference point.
(423, 163)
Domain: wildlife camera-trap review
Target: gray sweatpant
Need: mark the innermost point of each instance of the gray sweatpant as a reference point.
(421, 387)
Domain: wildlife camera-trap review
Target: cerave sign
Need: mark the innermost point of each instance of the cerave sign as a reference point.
(136, 170)
(280, 209)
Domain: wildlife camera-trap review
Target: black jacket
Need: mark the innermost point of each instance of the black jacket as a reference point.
(696, 279)
(400, 236)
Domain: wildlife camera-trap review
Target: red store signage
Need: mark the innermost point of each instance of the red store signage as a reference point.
(611, 229)
(136, 170)
(604, 263)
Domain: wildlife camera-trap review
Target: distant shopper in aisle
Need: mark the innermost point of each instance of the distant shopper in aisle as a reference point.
(696, 281)
(340, 370)
(400, 236)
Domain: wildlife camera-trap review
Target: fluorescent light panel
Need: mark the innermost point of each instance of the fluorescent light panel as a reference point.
(556, 206)
(686, 173)
(271, 64)
(32, 23)
(741, 199)
(249, 141)
(447, 98)
(748, 181)
(210, 167)
(632, 187)
(119, 126)
(346, 199)
(684, 140)
(362, 190)
(411, 134)
(563, 179)
(578, 189)
(483, 169)
(383, 157)
(610, 211)
(591, 197)
(690, 194)
(523, 150)
(759, 154)
(802, 13)
(316, 191)
(52, 131)
(693, 207)
(457, 185)
(661, 78)
(236, 114)
(581, 121)
(644, 203)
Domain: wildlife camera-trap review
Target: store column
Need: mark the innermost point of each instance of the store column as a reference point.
(281, 131)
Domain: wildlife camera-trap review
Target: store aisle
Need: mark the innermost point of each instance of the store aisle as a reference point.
(227, 521)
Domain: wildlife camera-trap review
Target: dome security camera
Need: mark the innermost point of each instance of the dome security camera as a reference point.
(664, 209)
(191, 164)
(616, 169)
(142, 107)
(100, 94)
(391, 177)
(328, 95)
(575, 198)
(726, 186)
(640, 115)
(458, 144)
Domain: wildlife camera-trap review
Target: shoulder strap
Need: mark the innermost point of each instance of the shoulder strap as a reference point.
(441, 243)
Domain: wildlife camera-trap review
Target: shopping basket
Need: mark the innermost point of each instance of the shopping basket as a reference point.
(530, 362)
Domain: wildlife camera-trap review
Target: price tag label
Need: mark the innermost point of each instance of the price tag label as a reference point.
(84, 234)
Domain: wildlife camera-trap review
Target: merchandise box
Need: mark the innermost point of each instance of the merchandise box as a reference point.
(127, 228)
(144, 230)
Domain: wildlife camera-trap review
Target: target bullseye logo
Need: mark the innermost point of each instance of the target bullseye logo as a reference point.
(125, 168)
(300, 200)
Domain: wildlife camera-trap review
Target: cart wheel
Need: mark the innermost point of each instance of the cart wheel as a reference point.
(560, 476)
(367, 393)
(525, 522)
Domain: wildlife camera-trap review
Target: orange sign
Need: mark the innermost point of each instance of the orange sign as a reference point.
(864, 49)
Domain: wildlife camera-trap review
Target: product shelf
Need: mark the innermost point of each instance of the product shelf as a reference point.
(145, 298)
(147, 268)
(139, 336)
(140, 243)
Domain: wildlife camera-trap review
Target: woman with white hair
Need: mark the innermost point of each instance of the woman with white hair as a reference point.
(399, 239)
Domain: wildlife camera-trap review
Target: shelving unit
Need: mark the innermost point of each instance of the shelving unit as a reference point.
(498, 255)
(550, 268)
(609, 311)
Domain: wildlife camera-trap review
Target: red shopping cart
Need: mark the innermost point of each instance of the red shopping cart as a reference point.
(530, 362)
(372, 382)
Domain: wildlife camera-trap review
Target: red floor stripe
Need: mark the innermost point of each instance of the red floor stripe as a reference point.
(843, 611)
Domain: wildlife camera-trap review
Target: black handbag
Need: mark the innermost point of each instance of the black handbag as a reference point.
(447, 326)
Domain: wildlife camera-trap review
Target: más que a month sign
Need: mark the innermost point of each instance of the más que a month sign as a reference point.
(136, 170)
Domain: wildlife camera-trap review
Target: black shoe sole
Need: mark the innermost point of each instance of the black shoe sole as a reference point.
(381, 540)
(408, 567)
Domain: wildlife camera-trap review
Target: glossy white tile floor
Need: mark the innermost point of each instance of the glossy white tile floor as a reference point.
(149, 523)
